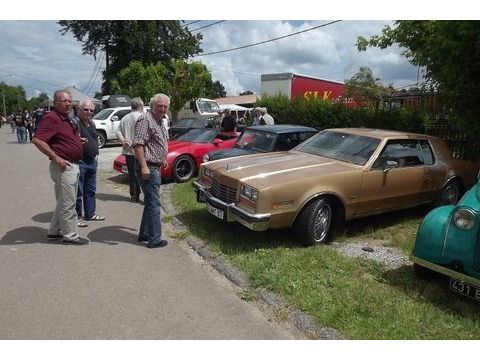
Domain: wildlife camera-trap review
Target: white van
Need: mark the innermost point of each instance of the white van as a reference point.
(107, 121)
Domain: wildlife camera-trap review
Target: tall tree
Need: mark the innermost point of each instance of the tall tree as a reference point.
(216, 90)
(364, 88)
(186, 82)
(148, 41)
(450, 53)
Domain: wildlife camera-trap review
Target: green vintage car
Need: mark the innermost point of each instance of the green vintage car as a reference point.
(448, 242)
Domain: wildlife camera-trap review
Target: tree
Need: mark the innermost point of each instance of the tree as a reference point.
(364, 88)
(123, 41)
(450, 53)
(248, 92)
(190, 81)
(141, 80)
(186, 82)
(15, 98)
(37, 101)
(216, 90)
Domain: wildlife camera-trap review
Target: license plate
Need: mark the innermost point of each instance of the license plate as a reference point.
(465, 289)
(215, 212)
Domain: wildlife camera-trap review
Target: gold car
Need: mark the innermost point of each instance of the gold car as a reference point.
(336, 175)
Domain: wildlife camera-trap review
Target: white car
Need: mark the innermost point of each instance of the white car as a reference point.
(107, 122)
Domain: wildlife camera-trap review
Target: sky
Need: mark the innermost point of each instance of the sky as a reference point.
(38, 57)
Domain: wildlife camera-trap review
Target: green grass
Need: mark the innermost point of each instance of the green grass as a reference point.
(360, 298)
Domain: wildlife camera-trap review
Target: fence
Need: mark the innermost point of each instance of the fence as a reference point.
(462, 145)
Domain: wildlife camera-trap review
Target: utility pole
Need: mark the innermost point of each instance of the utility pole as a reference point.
(4, 108)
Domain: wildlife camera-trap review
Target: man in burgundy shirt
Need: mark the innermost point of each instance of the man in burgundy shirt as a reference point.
(59, 139)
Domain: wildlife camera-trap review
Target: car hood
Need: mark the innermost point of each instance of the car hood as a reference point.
(471, 199)
(271, 168)
(175, 145)
(227, 153)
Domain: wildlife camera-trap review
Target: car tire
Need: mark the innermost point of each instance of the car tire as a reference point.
(450, 193)
(315, 223)
(101, 139)
(183, 168)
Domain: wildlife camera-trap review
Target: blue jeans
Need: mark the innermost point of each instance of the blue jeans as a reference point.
(87, 186)
(22, 134)
(151, 226)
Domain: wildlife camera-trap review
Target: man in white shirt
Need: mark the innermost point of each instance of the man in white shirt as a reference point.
(125, 133)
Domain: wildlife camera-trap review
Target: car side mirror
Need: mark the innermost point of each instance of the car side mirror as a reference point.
(217, 142)
(114, 118)
(390, 164)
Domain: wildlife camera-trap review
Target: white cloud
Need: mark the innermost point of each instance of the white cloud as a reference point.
(36, 50)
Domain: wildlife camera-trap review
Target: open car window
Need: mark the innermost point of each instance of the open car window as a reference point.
(406, 153)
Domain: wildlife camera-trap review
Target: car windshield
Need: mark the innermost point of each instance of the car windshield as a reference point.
(189, 122)
(198, 135)
(259, 141)
(341, 146)
(208, 106)
(103, 115)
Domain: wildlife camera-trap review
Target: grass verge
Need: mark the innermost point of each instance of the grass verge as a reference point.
(360, 298)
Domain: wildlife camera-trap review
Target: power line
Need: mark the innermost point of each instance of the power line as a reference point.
(31, 79)
(270, 40)
(96, 75)
(191, 23)
(97, 64)
(206, 26)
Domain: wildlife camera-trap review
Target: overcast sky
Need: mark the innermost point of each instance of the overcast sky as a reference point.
(35, 55)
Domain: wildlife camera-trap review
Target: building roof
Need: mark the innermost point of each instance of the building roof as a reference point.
(238, 100)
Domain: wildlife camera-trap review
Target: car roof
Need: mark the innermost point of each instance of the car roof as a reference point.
(380, 133)
(282, 128)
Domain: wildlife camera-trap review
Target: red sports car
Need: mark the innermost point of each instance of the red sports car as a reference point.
(185, 153)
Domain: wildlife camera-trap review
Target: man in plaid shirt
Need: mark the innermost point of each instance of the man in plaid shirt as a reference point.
(150, 144)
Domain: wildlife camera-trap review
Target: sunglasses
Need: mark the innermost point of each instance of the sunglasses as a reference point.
(88, 110)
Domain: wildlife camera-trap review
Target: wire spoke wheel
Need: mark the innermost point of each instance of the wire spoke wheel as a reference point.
(322, 222)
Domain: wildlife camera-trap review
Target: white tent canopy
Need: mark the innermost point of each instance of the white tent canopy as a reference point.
(233, 107)
(77, 96)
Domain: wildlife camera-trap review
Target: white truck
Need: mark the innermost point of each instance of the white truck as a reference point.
(107, 121)
(200, 108)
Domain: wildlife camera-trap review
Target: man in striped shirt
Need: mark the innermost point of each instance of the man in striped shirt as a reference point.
(150, 144)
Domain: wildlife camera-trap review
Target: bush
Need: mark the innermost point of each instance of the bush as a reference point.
(324, 114)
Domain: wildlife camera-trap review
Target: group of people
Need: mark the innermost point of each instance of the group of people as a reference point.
(24, 124)
(260, 117)
(70, 143)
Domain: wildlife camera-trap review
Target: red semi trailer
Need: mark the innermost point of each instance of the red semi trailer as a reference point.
(294, 85)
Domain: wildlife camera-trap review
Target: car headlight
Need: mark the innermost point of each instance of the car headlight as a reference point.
(206, 158)
(207, 172)
(249, 193)
(464, 219)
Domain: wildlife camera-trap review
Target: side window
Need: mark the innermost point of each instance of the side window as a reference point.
(405, 152)
(427, 152)
(283, 142)
(122, 113)
(305, 135)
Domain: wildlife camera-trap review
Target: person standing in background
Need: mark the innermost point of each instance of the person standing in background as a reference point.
(125, 133)
(87, 182)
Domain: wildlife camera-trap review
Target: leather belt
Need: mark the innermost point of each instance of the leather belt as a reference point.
(153, 164)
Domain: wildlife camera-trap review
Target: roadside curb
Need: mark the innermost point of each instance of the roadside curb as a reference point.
(302, 321)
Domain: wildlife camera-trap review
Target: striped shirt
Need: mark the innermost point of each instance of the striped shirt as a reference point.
(150, 133)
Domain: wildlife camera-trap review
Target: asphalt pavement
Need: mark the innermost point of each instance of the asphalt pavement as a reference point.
(114, 287)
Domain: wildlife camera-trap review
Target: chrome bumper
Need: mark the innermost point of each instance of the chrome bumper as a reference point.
(255, 222)
(446, 271)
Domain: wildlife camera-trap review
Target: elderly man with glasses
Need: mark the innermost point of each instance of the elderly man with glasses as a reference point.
(59, 139)
(87, 183)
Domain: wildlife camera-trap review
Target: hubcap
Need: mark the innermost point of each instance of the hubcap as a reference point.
(184, 169)
(322, 223)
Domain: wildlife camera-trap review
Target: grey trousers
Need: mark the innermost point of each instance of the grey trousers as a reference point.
(64, 217)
